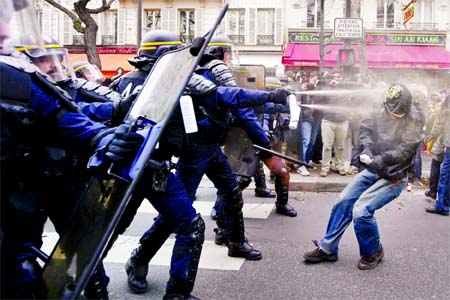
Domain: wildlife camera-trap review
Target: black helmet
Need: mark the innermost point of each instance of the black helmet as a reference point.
(223, 48)
(397, 100)
(157, 42)
(272, 84)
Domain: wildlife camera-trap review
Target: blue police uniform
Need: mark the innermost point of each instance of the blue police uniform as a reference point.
(35, 113)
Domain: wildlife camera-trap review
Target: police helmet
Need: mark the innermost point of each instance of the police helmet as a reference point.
(272, 83)
(22, 11)
(88, 71)
(223, 48)
(53, 61)
(397, 100)
(157, 42)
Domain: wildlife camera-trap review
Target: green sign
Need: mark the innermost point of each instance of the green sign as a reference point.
(378, 38)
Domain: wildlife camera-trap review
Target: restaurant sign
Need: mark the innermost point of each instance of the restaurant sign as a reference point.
(384, 38)
(104, 50)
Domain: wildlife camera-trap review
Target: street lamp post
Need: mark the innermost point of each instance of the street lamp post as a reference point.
(321, 37)
(139, 22)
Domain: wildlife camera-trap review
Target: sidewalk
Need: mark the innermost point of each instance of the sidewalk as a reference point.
(335, 182)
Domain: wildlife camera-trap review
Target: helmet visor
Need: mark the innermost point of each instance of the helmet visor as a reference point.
(90, 73)
(25, 27)
(55, 63)
(228, 50)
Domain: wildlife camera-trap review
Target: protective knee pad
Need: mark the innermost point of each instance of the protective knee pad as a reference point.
(233, 201)
(243, 181)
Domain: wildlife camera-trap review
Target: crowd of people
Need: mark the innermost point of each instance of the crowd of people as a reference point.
(55, 122)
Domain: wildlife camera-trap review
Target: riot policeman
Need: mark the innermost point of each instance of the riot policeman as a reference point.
(218, 72)
(35, 114)
(211, 103)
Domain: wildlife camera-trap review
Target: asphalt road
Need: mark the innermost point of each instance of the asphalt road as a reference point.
(416, 263)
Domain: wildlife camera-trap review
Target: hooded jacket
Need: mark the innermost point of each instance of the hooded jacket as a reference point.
(392, 143)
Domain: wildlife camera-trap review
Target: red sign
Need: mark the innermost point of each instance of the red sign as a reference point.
(104, 50)
(408, 11)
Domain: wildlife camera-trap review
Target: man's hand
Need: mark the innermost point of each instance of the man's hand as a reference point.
(278, 96)
(124, 145)
(365, 159)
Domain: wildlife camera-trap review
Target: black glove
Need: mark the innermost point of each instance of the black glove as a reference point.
(122, 107)
(124, 145)
(278, 96)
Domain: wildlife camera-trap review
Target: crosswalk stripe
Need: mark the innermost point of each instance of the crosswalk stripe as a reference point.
(250, 210)
(213, 256)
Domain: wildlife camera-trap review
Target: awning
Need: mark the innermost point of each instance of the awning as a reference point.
(110, 62)
(378, 56)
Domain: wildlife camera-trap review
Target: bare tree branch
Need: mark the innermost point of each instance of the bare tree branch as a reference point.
(105, 6)
(75, 19)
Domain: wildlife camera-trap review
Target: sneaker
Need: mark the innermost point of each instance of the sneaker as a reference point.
(323, 173)
(431, 194)
(353, 170)
(370, 262)
(303, 171)
(315, 163)
(318, 255)
(342, 172)
(434, 210)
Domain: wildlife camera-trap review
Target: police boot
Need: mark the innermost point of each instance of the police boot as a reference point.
(221, 237)
(239, 246)
(186, 257)
(261, 189)
(137, 272)
(96, 287)
(282, 207)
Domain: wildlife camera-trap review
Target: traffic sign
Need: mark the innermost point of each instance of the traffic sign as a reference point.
(348, 28)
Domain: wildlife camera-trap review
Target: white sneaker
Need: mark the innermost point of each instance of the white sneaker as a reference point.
(303, 171)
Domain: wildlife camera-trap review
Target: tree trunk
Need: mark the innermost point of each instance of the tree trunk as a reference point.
(90, 33)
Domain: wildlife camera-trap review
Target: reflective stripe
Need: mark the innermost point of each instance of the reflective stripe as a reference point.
(274, 85)
(80, 67)
(220, 44)
(160, 43)
(49, 46)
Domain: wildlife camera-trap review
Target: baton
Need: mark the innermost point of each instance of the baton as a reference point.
(291, 159)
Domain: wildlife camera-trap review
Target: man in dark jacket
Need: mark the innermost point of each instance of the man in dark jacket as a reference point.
(389, 139)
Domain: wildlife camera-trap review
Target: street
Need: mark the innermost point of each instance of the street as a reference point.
(416, 263)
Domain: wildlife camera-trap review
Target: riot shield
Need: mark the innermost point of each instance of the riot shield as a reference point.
(237, 146)
(250, 76)
(89, 230)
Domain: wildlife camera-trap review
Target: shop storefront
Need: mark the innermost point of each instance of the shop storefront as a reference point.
(111, 58)
(417, 57)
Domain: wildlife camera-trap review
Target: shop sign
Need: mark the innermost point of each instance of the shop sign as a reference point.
(406, 39)
(383, 38)
(104, 50)
(408, 11)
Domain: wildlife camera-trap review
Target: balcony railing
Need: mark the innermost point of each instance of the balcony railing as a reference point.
(265, 39)
(326, 24)
(237, 39)
(109, 39)
(411, 26)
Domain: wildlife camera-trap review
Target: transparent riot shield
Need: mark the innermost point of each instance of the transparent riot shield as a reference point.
(92, 225)
(237, 146)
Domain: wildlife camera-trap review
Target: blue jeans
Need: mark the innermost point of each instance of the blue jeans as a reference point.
(309, 134)
(359, 200)
(443, 197)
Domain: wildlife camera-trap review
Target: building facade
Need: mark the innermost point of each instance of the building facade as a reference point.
(262, 29)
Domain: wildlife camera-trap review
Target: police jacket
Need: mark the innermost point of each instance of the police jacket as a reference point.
(36, 114)
(442, 126)
(131, 82)
(392, 143)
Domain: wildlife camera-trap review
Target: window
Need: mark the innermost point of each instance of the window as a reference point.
(265, 27)
(312, 13)
(152, 20)
(236, 25)
(423, 18)
(109, 28)
(385, 14)
(186, 25)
